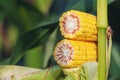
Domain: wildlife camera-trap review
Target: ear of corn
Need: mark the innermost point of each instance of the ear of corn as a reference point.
(78, 25)
(80, 45)
(71, 53)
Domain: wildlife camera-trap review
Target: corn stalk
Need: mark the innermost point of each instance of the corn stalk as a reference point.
(102, 24)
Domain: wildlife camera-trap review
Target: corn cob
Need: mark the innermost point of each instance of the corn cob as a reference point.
(78, 26)
(71, 53)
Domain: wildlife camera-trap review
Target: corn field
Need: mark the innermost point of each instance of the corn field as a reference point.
(58, 40)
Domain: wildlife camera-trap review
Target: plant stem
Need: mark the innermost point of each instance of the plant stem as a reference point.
(102, 21)
(101, 54)
(102, 24)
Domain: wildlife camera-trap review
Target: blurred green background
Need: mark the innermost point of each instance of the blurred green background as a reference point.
(29, 31)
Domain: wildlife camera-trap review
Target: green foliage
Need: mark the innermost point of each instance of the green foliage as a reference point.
(43, 5)
(37, 59)
(115, 58)
(33, 38)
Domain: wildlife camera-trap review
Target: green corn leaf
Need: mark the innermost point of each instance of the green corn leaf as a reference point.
(11, 10)
(33, 38)
(115, 77)
(115, 58)
(43, 5)
(78, 5)
(5, 61)
(23, 15)
(48, 48)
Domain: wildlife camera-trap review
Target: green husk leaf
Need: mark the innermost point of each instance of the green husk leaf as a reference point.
(25, 73)
(48, 74)
(109, 41)
(73, 72)
(89, 71)
(69, 77)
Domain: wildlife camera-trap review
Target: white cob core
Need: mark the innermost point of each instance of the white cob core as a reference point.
(71, 24)
(64, 53)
